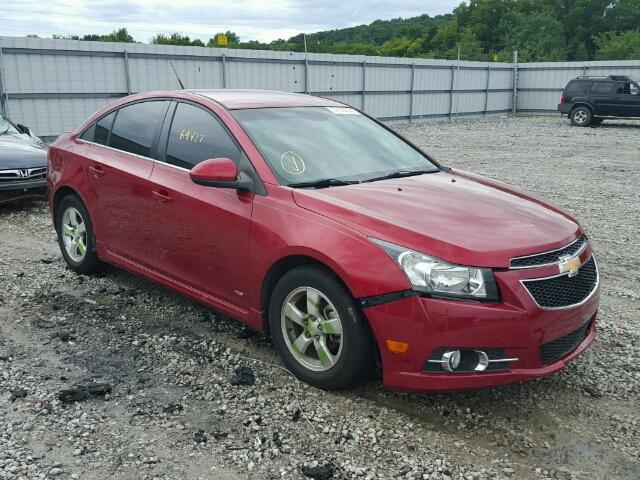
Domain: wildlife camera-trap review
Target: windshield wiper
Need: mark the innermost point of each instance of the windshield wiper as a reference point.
(399, 174)
(323, 183)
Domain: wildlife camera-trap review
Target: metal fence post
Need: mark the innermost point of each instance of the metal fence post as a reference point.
(486, 92)
(364, 84)
(224, 71)
(453, 79)
(3, 95)
(126, 72)
(306, 75)
(514, 106)
(413, 79)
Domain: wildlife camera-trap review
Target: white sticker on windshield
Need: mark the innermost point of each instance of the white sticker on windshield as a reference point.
(343, 110)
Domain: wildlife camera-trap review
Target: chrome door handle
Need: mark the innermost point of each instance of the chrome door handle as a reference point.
(97, 172)
(161, 196)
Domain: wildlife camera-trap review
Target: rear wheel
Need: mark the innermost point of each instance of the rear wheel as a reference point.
(318, 330)
(581, 117)
(75, 235)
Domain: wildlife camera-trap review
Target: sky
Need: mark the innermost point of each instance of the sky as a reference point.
(265, 20)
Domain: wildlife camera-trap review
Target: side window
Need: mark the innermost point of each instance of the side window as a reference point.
(89, 133)
(604, 88)
(99, 131)
(634, 89)
(197, 135)
(136, 127)
(578, 87)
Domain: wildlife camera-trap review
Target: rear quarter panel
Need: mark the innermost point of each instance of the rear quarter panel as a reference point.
(65, 169)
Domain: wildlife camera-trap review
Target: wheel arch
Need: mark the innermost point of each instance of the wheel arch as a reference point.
(283, 265)
(582, 104)
(287, 263)
(59, 194)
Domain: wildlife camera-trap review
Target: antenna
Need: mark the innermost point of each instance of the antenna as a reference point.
(177, 76)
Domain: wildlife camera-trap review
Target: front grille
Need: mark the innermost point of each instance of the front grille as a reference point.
(553, 351)
(23, 174)
(547, 258)
(563, 290)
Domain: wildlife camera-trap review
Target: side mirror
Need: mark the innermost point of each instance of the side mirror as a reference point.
(24, 129)
(220, 172)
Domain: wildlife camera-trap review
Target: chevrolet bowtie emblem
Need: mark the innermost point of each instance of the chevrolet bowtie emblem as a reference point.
(569, 264)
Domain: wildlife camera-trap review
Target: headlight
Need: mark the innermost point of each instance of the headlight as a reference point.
(438, 278)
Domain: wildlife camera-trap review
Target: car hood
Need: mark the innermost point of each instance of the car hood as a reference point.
(21, 151)
(457, 216)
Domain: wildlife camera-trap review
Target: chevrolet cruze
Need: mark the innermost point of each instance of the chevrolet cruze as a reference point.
(352, 248)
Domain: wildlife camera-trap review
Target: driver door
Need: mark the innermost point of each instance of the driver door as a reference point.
(201, 236)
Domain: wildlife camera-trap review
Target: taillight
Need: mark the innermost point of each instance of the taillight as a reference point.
(563, 98)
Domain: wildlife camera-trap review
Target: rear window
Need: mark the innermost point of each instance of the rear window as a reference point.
(576, 87)
(99, 131)
(137, 126)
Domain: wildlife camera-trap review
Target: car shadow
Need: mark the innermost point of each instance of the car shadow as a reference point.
(606, 124)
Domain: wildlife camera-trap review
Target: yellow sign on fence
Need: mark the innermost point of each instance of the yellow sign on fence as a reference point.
(223, 41)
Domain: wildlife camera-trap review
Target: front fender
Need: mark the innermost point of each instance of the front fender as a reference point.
(364, 267)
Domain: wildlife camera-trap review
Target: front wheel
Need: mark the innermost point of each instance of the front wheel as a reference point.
(318, 330)
(581, 117)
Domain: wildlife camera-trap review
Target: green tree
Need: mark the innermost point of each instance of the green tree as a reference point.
(537, 35)
(396, 47)
(449, 36)
(176, 39)
(621, 46)
(120, 35)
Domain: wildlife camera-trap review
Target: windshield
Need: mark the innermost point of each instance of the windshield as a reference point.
(6, 126)
(304, 145)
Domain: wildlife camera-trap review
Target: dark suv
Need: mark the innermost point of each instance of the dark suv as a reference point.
(589, 100)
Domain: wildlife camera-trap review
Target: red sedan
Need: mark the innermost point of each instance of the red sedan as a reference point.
(307, 219)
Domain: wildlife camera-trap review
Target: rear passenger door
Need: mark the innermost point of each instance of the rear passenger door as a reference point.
(604, 98)
(120, 161)
(201, 235)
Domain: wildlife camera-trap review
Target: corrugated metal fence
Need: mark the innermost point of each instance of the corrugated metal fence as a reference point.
(53, 85)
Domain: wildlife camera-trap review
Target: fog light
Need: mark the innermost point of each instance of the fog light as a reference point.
(467, 360)
(483, 361)
(451, 360)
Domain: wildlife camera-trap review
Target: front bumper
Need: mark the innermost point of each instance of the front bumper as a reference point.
(10, 191)
(517, 325)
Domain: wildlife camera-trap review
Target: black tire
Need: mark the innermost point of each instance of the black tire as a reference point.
(356, 361)
(581, 117)
(89, 263)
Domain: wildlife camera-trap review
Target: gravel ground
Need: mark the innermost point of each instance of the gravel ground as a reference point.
(164, 405)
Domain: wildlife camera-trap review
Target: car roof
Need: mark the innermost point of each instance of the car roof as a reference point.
(238, 99)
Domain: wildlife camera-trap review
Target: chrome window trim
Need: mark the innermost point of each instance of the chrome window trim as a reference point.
(172, 165)
(577, 254)
(133, 154)
(115, 149)
(595, 288)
